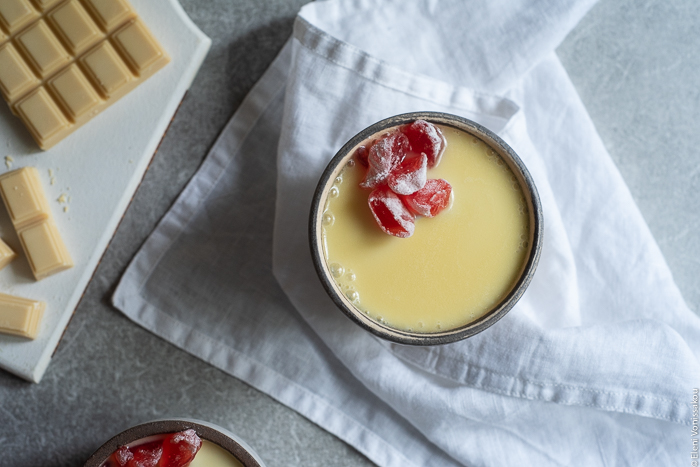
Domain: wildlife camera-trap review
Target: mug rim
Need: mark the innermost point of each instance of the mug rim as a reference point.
(489, 318)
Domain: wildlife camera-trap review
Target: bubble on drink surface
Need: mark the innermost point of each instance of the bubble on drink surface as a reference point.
(328, 219)
(339, 179)
(420, 324)
(523, 237)
(351, 163)
(475, 140)
(334, 192)
(438, 325)
(352, 295)
(337, 270)
(349, 275)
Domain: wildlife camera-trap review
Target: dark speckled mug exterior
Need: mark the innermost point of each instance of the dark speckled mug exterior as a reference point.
(451, 335)
(206, 431)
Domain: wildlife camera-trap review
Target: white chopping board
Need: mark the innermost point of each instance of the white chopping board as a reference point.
(97, 169)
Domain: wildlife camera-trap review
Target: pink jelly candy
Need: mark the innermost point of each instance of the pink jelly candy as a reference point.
(122, 456)
(390, 213)
(431, 199)
(427, 138)
(384, 155)
(146, 455)
(409, 176)
(180, 448)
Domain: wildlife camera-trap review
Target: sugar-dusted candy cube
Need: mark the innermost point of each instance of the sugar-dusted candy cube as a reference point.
(409, 176)
(385, 155)
(390, 213)
(431, 199)
(426, 138)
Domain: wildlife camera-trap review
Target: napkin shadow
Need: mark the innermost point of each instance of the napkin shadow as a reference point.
(250, 56)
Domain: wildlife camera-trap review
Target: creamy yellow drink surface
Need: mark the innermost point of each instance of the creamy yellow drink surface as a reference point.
(213, 455)
(456, 266)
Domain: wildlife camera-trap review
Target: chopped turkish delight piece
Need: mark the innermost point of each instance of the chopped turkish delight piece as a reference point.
(426, 137)
(122, 456)
(384, 155)
(146, 455)
(431, 199)
(410, 176)
(390, 213)
(180, 448)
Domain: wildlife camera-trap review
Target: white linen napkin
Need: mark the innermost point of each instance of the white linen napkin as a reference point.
(594, 366)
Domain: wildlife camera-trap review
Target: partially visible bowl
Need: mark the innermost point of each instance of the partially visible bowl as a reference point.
(149, 431)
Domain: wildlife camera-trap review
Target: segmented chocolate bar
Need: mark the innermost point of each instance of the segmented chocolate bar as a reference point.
(64, 61)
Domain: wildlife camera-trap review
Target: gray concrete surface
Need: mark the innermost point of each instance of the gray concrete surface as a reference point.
(635, 65)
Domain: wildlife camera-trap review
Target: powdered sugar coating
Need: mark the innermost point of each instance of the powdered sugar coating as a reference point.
(410, 176)
(384, 155)
(390, 213)
(122, 456)
(426, 138)
(180, 448)
(146, 455)
(431, 199)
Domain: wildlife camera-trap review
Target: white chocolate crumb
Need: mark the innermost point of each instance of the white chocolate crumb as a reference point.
(65, 208)
(51, 173)
(62, 199)
(53, 180)
(8, 161)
